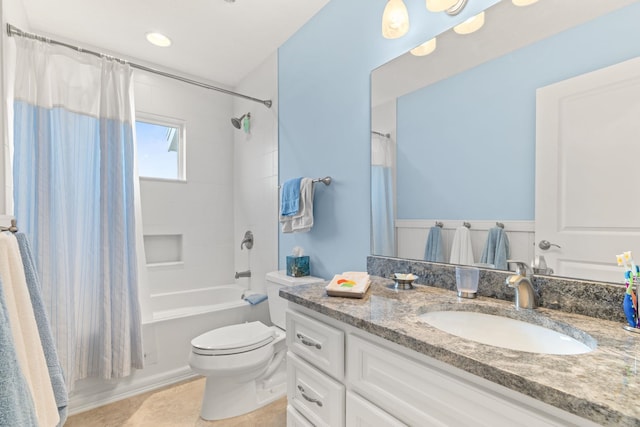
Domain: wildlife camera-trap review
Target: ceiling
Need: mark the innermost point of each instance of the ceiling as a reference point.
(215, 40)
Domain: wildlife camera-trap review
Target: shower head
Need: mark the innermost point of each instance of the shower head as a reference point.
(237, 123)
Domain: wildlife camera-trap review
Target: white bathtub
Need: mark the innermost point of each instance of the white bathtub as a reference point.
(172, 305)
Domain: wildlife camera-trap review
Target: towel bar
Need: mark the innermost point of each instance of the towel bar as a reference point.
(13, 228)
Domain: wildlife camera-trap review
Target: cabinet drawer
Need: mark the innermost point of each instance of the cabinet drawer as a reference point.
(295, 419)
(314, 394)
(316, 342)
(361, 412)
(420, 394)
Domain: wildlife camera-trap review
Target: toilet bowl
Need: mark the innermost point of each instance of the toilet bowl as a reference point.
(245, 363)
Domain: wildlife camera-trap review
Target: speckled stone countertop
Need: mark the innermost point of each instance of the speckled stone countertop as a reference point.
(602, 385)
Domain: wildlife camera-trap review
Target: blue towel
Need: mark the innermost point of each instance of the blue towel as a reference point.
(290, 201)
(496, 250)
(16, 403)
(433, 250)
(254, 299)
(44, 328)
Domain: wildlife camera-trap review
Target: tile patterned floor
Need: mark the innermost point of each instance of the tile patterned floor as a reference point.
(173, 406)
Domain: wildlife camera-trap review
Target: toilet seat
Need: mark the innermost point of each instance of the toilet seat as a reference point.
(233, 339)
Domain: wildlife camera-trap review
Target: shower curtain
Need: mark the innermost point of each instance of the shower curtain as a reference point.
(75, 190)
(383, 240)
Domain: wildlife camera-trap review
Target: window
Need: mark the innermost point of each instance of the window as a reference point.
(160, 144)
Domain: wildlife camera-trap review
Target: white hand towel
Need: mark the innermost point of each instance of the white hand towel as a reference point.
(461, 250)
(303, 220)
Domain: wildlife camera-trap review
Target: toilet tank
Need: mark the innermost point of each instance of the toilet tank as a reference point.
(278, 305)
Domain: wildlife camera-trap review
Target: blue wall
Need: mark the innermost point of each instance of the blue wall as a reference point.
(324, 119)
(470, 139)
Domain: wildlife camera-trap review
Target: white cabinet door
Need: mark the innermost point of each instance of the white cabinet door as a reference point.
(314, 394)
(587, 147)
(362, 413)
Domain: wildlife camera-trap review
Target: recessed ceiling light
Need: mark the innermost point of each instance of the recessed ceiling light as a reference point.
(158, 39)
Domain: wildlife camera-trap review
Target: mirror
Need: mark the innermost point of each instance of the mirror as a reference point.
(461, 122)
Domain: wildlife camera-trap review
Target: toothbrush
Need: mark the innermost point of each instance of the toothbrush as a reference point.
(634, 287)
(629, 303)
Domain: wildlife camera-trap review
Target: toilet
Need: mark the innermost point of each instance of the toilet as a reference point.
(245, 363)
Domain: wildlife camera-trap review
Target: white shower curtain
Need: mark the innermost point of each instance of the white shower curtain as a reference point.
(383, 240)
(75, 190)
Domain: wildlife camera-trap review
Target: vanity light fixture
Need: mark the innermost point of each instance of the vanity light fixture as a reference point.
(158, 39)
(440, 5)
(395, 19)
(425, 48)
(523, 2)
(470, 25)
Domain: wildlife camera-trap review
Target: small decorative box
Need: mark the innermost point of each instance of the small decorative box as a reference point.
(297, 266)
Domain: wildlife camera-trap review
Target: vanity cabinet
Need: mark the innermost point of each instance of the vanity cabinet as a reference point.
(315, 372)
(380, 383)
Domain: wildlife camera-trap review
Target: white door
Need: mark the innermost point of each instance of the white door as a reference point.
(588, 171)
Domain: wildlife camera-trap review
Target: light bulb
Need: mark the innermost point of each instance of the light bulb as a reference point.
(440, 5)
(395, 20)
(470, 25)
(425, 48)
(158, 39)
(523, 2)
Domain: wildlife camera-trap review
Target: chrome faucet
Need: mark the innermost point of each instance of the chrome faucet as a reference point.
(521, 284)
(247, 241)
(240, 274)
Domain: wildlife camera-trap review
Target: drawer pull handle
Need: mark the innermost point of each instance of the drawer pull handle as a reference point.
(308, 341)
(309, 399)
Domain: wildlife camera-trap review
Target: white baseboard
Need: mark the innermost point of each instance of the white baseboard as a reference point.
(84, 402)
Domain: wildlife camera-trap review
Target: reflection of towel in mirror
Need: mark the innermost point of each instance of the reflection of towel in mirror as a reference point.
(461, 251)
(496, 249)
(433, 249)
(303, 220)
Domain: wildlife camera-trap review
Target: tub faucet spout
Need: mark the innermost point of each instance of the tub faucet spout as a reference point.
(240, 274)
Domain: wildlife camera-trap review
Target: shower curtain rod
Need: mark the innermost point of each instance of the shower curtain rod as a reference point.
(15, 31)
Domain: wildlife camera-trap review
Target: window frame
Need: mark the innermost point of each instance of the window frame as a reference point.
(180, 124)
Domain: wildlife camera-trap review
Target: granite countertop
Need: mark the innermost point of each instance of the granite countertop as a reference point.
(602, 385)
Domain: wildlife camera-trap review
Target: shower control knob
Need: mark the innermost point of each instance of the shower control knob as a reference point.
(546, 245)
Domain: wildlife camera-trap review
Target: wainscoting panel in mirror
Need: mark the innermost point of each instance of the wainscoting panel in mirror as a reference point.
(464, 118)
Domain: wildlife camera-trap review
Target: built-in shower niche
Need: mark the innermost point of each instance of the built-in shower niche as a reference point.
(163, 250)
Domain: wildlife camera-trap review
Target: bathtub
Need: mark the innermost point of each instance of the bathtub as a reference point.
(172, 305)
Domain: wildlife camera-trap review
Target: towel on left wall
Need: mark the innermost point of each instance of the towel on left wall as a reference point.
(42, 321)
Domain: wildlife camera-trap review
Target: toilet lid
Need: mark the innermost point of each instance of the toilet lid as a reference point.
(233, 339)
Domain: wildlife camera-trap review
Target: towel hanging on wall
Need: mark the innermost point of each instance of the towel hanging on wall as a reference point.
(25, 333)
(44, 328)
(303, 220)
(290, 199)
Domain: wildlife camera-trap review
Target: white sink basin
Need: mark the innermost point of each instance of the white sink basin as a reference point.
(505, 332)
